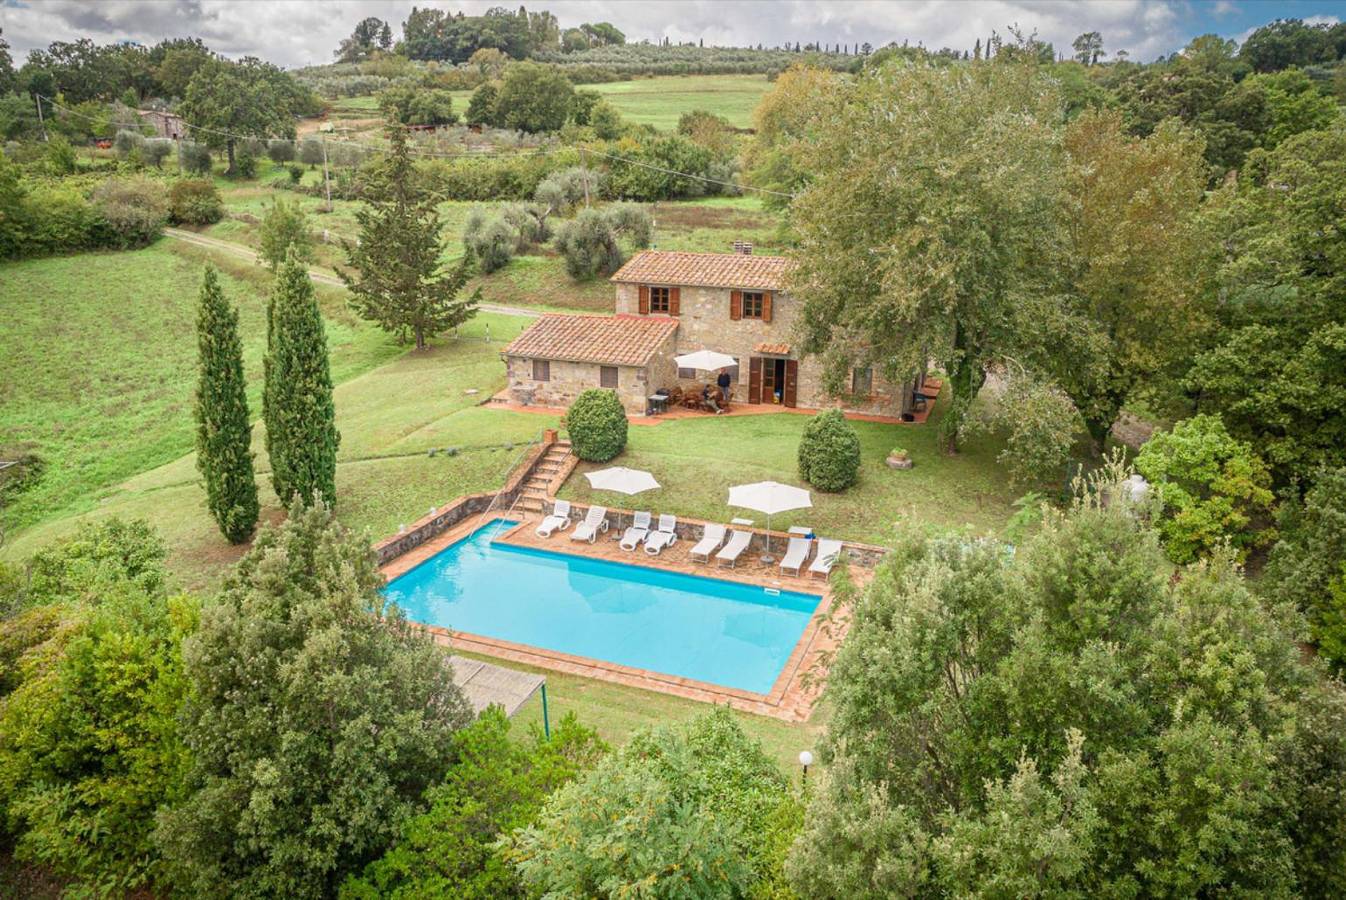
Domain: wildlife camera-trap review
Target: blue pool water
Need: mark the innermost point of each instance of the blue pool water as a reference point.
(726, 633)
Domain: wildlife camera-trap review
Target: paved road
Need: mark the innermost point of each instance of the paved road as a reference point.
(318, 276)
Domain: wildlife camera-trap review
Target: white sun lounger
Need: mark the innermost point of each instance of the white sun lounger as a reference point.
(796, 555)
(828, 553)
(666, 535)
(595, 520)
(738, 542)
(711, 539)
(559, 520)
(639, 529)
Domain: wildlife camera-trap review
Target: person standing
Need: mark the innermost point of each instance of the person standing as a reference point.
(724, 381)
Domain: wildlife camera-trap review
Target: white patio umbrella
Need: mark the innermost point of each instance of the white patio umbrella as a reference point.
(769, 497)
(621, 480)
(705, 360)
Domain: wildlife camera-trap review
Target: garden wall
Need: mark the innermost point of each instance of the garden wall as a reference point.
(441, 520)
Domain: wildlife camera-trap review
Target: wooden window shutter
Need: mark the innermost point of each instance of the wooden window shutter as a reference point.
(766, 306)
(674, 296)
(755, 379)
(644, 299)
(736, 305)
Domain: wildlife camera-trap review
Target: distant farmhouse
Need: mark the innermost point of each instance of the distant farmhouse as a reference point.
(670, 304)
(166, 124)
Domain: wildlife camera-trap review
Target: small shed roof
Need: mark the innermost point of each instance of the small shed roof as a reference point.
(611, 340)
(723, 270)
(485, 684)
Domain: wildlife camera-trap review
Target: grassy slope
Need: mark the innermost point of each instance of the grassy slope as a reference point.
(106, 344)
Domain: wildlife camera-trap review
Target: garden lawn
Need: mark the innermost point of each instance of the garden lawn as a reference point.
(697, 460)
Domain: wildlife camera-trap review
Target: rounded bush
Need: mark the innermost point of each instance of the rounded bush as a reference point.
(829, 452)
(195, 201)
(597, 425)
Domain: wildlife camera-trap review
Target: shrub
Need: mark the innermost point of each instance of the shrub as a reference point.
(1309, 560)
(491, 241)
(285, 225)
(589, 245)
(61, 159)
(296, 173)
(134, 210)
(156, 151)
(597, 425)
(280, 151)
(829, 452)
(1212, 489)
(194, 158)
(126, 141)
(245, 164)
(481, 109)
(194, 201)
(696, 810)
(606, 121)
(310, 152)
(90, 685)
(496, 785)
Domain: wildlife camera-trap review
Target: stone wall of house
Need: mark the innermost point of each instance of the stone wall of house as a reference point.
(569, 379)
(704, 323)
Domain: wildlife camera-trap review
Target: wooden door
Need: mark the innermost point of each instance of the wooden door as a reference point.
(790, 392)
(769, 380)
(755, 379)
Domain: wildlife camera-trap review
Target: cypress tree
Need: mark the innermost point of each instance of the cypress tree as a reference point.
(300, 414)
(223, 429)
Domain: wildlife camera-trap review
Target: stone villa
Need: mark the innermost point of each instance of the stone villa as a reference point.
(672, 303)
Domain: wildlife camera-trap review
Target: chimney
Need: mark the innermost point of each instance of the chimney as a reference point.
(743, 247)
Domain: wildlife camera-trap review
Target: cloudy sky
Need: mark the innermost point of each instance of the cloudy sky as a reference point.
(304, 32)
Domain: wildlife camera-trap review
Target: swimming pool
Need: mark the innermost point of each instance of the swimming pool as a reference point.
(722, 632)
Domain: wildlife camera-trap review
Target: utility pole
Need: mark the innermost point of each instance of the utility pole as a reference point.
(40, 121)
(584, 167)
(326, 179)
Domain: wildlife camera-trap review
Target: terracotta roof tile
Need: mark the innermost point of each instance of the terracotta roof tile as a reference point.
(774, 349)
(612, 340)
(726, 270)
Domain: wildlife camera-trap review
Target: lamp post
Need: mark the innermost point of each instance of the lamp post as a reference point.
(805, 760)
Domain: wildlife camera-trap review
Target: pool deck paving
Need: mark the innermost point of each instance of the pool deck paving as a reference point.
(797, 687)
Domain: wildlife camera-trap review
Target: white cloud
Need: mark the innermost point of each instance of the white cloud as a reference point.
(301, 32)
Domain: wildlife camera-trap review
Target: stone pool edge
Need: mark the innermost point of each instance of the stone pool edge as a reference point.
(792, 696)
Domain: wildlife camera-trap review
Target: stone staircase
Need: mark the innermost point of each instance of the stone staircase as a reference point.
(545, 478)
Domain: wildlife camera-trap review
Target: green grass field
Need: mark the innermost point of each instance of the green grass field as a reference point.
(657, 101)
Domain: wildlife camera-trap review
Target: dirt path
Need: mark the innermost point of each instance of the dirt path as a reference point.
(319, 276)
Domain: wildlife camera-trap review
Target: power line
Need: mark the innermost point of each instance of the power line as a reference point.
(539, 151)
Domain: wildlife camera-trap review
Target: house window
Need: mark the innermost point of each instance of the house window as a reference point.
(541, 370)
(686, 373)
(753, 301)
(733, 373)
(862, 382)
(659, 300)
(607, 376)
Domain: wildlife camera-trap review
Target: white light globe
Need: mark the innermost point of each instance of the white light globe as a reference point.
(805, 758)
